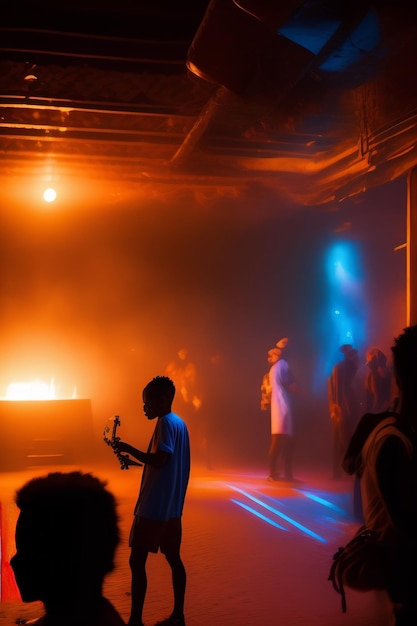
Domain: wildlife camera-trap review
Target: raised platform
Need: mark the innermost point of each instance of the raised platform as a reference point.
(44, 432)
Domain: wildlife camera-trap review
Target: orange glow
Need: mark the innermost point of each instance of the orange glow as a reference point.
(32, 390)
(40, 185)
(318, 163)
(49, 195)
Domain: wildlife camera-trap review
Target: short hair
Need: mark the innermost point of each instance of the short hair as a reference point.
(161, 385)
(404, 353)
(76, 519)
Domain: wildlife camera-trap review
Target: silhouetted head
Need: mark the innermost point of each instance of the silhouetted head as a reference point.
(183, 354)
(375, 358)
(404, 354)
(66, 536)
(158, 396)
(352, 354)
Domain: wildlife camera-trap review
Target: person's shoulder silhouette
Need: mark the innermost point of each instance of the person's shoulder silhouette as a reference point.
(66, 537)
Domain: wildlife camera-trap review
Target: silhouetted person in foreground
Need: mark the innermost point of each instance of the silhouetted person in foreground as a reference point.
(382, 453)
(157, 522)
(66, 536)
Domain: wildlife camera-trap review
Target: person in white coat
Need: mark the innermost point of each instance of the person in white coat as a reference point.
(282, 384)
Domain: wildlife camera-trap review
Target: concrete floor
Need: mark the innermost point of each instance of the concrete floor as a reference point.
(243, 569)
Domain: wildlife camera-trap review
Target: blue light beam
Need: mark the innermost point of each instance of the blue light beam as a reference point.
(322, 501)
(303, 529)
(263, 517)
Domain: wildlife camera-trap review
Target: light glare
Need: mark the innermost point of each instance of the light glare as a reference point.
(49, 195)
(33, 390)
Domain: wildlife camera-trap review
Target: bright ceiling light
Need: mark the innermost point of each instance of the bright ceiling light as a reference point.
(49, 195)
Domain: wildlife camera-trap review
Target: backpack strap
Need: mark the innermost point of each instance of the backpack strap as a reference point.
(336, 578)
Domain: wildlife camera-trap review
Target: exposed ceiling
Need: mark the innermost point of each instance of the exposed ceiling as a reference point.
(315, 101)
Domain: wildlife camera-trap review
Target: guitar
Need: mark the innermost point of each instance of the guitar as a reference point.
(124, 459)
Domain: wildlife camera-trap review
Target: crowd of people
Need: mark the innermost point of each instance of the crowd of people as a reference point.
(381, 454)
(349, 397)
(373, 439)
(67, 529)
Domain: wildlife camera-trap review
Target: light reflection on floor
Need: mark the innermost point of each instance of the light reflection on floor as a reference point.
(320, 514)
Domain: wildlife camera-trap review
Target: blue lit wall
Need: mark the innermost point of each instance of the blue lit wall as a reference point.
(344, 305)
(313, 32)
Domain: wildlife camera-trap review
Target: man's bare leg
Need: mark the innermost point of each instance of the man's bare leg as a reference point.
(139, 585)
(179, 581)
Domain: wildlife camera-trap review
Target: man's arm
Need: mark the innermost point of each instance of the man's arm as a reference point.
(157, 459)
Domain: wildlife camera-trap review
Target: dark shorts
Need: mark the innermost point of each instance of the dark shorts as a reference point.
(153, 535)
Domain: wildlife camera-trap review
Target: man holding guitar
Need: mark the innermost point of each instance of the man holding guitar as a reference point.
(157, 514)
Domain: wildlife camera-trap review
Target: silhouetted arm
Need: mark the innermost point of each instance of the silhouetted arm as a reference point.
(157, 459)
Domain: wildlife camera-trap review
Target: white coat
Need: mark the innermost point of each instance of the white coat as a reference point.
(280, 379)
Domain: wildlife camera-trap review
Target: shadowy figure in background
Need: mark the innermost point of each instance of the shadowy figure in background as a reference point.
(183, 373)
(343, 405)
(378, 382)
(66, 537)
(281, 383)
(382, 452)
(157, 516)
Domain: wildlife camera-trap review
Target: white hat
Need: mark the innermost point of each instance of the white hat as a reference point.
(282, 343)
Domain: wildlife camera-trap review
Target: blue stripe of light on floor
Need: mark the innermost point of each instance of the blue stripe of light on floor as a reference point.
(264, 517)
(275, 511)
(322, 501)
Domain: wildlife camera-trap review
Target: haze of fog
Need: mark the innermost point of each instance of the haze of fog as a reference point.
(103, 299)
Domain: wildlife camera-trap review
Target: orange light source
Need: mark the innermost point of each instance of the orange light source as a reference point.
(49, 195)
(33, 390)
